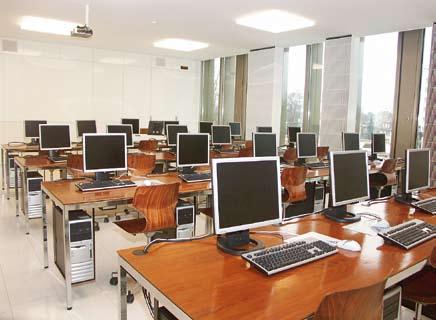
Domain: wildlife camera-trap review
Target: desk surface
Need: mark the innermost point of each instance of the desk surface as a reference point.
(30, 148)
(38, 163)
(208, 284)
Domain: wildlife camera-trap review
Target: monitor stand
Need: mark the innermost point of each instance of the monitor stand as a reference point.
(238, 243)
(340, 214)
(405, 198)
(374, 157)
(291, 145)
(34, 142)
(53, 154)
(301, 162)
(102, 176)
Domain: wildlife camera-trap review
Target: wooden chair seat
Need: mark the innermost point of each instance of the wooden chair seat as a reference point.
(294, 182)
(133, 226)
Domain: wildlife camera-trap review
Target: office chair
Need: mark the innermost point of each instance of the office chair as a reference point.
(148, 145)
(421, 287)
(290, 155)
(356, 304)
(387, 177)
(245, 152)
(322, 153)
(294, 182)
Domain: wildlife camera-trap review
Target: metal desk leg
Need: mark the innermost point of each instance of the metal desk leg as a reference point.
(17, 203)
(7, 174)
(63, 174)
(122, 287)
(67, 258)
(44, 229)
(3, 169)
(24, 193)
(155, 309)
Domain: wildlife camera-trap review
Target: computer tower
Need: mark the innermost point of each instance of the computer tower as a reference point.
(185, 219)
(11, 169)
(392, 304)
(319, 198)
(81, 244)
(34, 194)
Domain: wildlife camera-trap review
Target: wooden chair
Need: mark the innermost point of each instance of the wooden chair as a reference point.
(249, 144)
(294, 182)
(322, 153)
(357, 304)
(143, 131)
(245, 152)
(421, 287)
(290, 155)
(140, 164)
(148, 145)
(75, 166)
(386, 177)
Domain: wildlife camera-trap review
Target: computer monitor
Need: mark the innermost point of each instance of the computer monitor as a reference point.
(306, 145)
(378, 143)
(103, 153)
(235, 129)
(350, 141)
(166, 123)
(155, 127)
(292, 133)
(86, 126)
(31, 128)
(221, 135)
(192, 150)
(122, 128)
(53, 137)
(263, 129)
(264, 144)
(246, 194)
(205, 127)
(349, 182)
(133, 122)
(172, 131)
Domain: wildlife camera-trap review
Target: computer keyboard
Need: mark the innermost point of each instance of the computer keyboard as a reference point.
(195, 177)
(409, 234)
(57, 159)
(289, 255)
(106, 184)
(428, 205)
(317, 165)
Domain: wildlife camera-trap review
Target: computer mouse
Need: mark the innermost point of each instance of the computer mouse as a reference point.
(147, 183)
(381, 225)
(349, 245)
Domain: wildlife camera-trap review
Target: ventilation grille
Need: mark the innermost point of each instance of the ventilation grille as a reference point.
(392, 304)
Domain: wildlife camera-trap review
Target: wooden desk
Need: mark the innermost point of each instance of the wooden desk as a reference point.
(194, 280)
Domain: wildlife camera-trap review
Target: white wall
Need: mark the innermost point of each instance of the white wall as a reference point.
(63, 84)
(264, 90)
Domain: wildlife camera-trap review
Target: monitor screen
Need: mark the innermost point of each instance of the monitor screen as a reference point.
(306, 145)
(263, 129)
(192, 149)
(134, 123)
(235, 129)
(264, 144)
(54, 137)
(205, 127)
(166, 123)
(378, 143)
(122, 128)
(221, 135)
(31, 128)
(104, 152)
(172, 131)
(247, 193)
(155, 127)
(350, 141)
(349, 177)
(292, 133)
(86, 126)
(417, 169)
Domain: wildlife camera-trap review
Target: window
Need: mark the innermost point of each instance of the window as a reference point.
(378, 87)
(424, 87)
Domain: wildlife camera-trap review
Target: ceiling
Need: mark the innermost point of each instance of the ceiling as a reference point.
(127, 24)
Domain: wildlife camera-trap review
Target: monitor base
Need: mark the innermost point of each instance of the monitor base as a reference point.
(187, 170)
(405, 198)
(301, 162)
(102, 176)
(34, 141)
(340, 214)
(53, 153)
(238, 243)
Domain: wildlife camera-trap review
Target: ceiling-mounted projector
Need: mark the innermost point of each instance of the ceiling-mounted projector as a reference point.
(83, 31)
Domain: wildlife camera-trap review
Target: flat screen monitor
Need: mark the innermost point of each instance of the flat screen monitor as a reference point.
(349, 178)
(263, 129)
(292, 133)
(205, 127)
(246, 193)
(192, 149)
(156, 128)
(221, 135)
(417, 169)
(350, 141)
(306, 145)
(31, 128)
(133, 122)
(54, 137)
(264, 144)
(166, 123)
(235, 129)
(172, 131)
(378, 144)
(86, 126)
(104, 152)
(122, 128)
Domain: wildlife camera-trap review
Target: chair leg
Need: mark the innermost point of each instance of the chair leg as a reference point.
(418, 311)
(379, 192)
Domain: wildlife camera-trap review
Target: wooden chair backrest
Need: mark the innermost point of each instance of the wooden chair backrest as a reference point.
(143, 130)
(322, 152)
(357, 304)
(290, 155)
(157, 204)
(294, 181)
(245, 152)
(249, 144)
(389, 166)
(148, 145)
(141, 164)
(75, 166)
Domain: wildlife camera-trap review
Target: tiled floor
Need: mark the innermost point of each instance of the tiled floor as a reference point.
(27, 291)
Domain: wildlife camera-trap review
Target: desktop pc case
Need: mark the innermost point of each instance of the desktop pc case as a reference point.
(11, 169)
(81, 244)
(392, 304)
(315, 195)
(34, 194)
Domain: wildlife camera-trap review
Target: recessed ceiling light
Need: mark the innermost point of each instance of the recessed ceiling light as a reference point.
(45, 25)
(180, 44)
(275, 21)
(154, 22)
